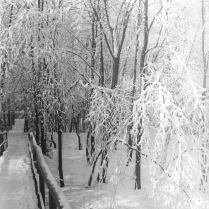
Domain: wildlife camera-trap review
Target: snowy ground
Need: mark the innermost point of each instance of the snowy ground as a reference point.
(77, 172)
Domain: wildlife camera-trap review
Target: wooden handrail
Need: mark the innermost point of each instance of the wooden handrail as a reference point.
(42, 176)
(3, 142)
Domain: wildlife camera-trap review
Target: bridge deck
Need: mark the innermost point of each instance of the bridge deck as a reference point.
(17, 189)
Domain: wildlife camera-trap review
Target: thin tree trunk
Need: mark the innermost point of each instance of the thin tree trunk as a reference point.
(36, 115)
(104, 165)
(8, 113)
(13, 117)
(93, 46)
(138, 164)
(71, 125)
(35, 93)
(43, 138)
(101, 60)
(142, 73)
(116, 66)
(59, 132)
(76, 125)
(78, 135)
(88, 147)
(4, 115)
(93, 168)
(26, 129)
(92, 145)
(38, 100)
(130, 140)
(204, 155)
(104, 160)
(203, 47)
(60, 155)
(57, 94)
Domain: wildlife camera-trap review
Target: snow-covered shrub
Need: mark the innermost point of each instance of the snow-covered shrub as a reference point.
(169, 109)
(110, 111)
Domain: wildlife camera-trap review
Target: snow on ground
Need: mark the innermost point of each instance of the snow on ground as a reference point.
(77, 172)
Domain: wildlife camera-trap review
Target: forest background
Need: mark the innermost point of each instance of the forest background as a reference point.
(131, 73)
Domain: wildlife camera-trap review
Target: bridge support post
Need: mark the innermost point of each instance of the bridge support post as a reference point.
(52, 203)
(42, 187)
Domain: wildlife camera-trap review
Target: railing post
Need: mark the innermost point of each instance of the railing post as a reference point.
(34, 158)
(3, 142)
(42, 186)
(1, 138)
(6, 144)
(52, 203)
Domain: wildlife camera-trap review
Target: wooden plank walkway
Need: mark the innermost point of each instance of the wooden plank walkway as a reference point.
(17, 189)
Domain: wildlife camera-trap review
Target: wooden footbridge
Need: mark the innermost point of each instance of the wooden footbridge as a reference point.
(24, 174)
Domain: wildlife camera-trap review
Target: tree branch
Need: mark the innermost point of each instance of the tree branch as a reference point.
(84, 61)
(105, 35)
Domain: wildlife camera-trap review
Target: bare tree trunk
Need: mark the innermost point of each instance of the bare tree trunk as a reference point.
(203, 47)
(90, 140)
(36, 112)
(26, 128)
(93, 168)
(116, 67)
(104, 165)
(40, 77)
(130, 140)
(71, 125)
(101, 60)
(78, 134)
(43, 138)
(104, 160)
(35, 93)
(59, 114)
(92, 145)
(59, 123)
(142, 73)
(138, 164)
(88, 147)
(204, 155)
(75, 123)
(9, 113)
(60, 154)
(4, 115)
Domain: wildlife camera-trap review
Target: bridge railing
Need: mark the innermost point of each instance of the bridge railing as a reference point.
(42, 176)
(3, 142)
